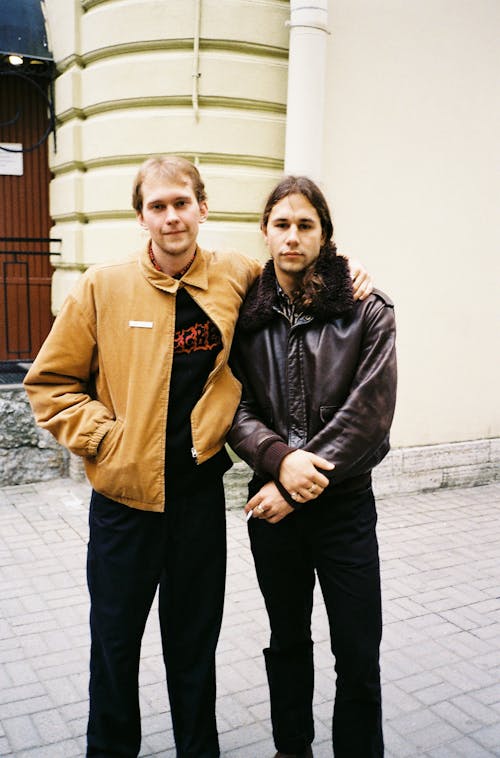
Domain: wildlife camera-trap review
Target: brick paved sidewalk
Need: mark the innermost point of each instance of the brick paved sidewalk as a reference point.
(440, 556)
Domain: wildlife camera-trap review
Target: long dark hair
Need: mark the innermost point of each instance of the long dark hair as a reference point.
(312, 282)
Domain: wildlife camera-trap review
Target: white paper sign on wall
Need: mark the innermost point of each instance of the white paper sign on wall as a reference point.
(11, 163)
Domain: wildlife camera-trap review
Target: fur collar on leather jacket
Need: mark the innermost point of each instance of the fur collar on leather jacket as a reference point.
(334, 300)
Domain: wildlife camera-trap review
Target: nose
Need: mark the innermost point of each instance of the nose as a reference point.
(292, 236)
(171, 214)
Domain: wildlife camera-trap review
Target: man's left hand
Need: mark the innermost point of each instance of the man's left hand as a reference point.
(268, 504)
(362, 283)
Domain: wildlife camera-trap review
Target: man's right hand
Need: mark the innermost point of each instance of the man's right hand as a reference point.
(299, 475)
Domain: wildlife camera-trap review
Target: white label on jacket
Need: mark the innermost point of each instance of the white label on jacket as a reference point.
(141, 324)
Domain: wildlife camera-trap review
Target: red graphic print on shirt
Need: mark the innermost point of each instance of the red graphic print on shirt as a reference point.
(197, 337)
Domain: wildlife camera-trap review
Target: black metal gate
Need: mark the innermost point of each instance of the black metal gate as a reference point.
(25, 313)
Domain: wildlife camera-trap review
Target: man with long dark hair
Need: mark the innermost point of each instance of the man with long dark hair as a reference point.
(319, 384)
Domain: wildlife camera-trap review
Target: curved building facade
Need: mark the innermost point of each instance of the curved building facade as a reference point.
(205, 79)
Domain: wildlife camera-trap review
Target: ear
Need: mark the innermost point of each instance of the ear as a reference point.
(203, 211)
(140, 219)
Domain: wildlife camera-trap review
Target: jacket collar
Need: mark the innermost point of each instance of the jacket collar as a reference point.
(196, 276)
(334, 300)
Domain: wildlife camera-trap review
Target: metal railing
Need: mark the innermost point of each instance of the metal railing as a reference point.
(17, 279)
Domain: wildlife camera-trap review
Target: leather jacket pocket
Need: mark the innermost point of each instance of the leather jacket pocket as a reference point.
(327, 412)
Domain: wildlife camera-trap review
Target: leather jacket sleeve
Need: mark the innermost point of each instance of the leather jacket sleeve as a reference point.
(250, 437)
(356, 438)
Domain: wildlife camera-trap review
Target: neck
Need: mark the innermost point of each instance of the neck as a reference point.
(289, 284)
(173, 265)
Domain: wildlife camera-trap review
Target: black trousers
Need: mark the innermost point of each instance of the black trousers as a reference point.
(130, 554)
(333, 538)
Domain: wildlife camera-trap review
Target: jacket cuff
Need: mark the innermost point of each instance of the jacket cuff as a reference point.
(286, 496)
(97, 437)
(270, 456)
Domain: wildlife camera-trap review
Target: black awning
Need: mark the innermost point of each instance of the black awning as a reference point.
(22, 30)
(25, 56)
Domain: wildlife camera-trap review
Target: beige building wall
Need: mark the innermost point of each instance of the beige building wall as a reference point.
(412, 174)
(204, 78)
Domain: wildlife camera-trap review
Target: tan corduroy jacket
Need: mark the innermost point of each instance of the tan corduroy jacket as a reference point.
(100, 383)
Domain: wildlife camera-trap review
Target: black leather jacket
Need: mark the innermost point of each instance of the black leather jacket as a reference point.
(327, 384)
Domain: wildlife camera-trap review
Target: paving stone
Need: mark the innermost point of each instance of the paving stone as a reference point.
(473, 707)
(65, 749)
(444, 751)
(489, 737)
(24, 707)
(489, 695)
(454, 715)
(397, 746)
(397, 701)
(21, 733)
(467, 676)
(21, 692)
(51, 726)
(436, 694)
(61, 691)
(432, 736)
(420, 681)
(468, 747)
(21, 672)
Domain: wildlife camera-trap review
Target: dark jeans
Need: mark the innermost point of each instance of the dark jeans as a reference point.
(130, 554)
(334, 538)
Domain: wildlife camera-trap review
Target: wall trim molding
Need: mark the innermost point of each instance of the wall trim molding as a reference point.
(432, 467)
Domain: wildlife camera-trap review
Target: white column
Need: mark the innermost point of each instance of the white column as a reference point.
(306, 88)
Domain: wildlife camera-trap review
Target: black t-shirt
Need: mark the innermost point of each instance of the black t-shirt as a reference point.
(197, 342)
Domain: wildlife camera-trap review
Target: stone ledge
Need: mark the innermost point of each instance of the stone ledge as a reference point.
(429, 467)
(409, 470)
(27, 453)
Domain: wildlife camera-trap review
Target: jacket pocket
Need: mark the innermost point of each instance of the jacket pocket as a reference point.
(120, 471)
(110, 442)
(327, 412)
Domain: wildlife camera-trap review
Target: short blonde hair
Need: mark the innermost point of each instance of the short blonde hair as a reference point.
(170, 167)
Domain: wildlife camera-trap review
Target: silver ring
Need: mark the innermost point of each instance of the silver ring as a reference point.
(295, 495)
(260, 509)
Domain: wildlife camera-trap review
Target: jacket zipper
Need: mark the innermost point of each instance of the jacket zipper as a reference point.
(213, 374)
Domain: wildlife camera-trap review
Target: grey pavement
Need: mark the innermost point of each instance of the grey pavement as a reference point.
(440, 554)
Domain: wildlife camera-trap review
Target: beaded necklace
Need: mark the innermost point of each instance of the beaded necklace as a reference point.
(179, 274)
